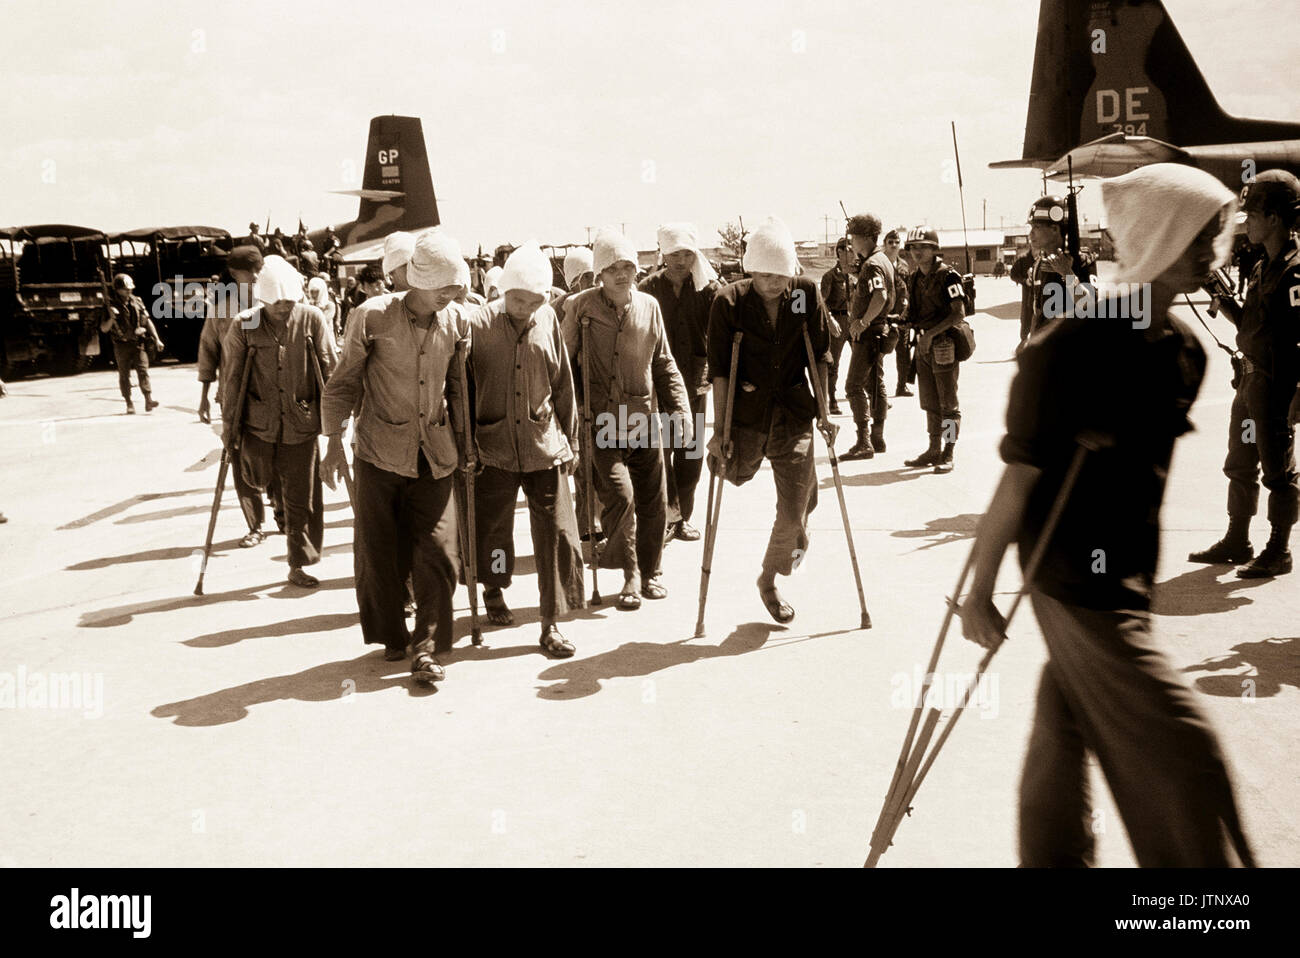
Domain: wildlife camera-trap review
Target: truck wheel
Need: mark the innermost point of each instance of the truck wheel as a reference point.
(69, 361)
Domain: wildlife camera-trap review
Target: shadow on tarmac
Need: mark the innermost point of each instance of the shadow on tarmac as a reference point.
(872, 478)
(307, 624)
(1199, 592)
(122, 614)
(1276, 663)
(125, 504)
(578, 678)
(1009, 310)
(952, 528)
(332, 681)
(151, 555)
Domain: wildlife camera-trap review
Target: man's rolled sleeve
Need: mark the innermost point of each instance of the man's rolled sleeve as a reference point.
(344, 387)
(210, 347)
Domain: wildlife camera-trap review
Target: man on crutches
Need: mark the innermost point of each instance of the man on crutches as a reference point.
(1107, 687)
(772, 413)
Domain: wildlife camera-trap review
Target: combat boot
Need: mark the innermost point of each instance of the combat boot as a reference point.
(926, 459)
(1233, 549)
(149, 404)
(130, 408)
(944, 464)
(878, 437)
(862, 449)
(1275, 560)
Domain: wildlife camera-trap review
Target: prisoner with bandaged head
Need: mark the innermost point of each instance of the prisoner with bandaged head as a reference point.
(1108, 687)
(618, 332)
(525, 424)
(774, 406)
(685, 288)
(288, 344)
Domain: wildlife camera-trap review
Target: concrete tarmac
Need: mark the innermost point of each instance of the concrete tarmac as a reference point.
(146, 726)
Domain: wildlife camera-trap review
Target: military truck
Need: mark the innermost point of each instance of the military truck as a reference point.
(53, 294)
(171, 266)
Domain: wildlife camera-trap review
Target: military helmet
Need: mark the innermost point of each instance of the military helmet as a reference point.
(1051, 210)
(920, 236)
(123, 281)
(1273, 191)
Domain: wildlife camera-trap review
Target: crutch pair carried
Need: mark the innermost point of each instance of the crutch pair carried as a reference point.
(236, 417)
(914, 763)
(717, 476)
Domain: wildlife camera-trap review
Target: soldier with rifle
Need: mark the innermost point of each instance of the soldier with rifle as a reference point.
(1059, 267)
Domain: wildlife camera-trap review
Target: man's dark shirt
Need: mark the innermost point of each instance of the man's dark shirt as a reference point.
(1104, 551)
(774, 361)
(686, 320)
(1269, 328)
(837, 289)
(931, 295)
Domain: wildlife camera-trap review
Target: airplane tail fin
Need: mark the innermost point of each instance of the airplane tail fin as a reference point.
(1120, 66)
(396, 185)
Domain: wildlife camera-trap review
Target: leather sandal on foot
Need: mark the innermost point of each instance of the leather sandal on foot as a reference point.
(253, 538)
(629, 601)
(425, 668)
(302, 579)
(556, 645)
(394, 655)
(654, 589)
(494, 603)
(777, 607)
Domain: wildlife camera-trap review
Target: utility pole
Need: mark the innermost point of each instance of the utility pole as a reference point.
(827, 218)
(588, 229)
(623, 227)
(986, 215)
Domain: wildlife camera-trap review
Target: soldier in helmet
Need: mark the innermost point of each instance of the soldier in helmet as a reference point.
(937, 302)
(1260, 435)
(1054, 272)
(128, 323)
(871, 335)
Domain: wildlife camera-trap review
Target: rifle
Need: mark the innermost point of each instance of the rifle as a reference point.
(968, 280)
(226, 451)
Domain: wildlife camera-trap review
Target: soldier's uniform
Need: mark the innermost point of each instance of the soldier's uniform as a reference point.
(932, 296)
(837, 293)
(865, 385)
(1048, 290)
(898, 317)
(130, 349)
(1260, 434)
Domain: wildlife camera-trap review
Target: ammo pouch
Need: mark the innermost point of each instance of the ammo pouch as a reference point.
(886, 337)
(963, 339)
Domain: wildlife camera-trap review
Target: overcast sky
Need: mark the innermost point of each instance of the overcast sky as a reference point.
(544, 118)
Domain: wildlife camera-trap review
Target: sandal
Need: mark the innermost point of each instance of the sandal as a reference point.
(629, 601)
(394, 655)
(777, 607)
(654, 589)
(494, 603)
(254, 537)
(302, 579)
(425, 668)
(556, 645)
